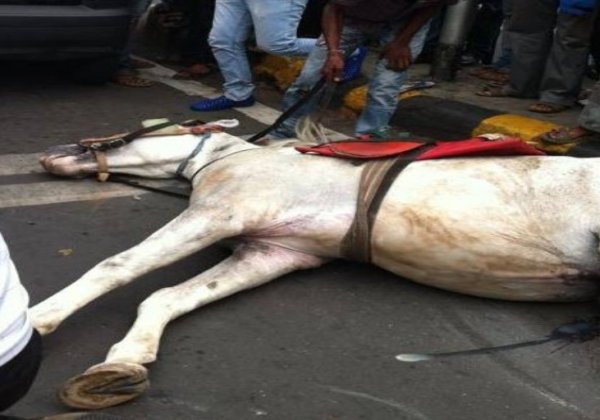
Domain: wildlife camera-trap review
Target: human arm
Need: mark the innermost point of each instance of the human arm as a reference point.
(332, 21)
(397, 52)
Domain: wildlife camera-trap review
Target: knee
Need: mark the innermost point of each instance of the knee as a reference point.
(220, 39)
(275, 46)
(159, 302)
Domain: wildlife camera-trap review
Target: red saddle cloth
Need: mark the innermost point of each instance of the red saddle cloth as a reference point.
(372, 149)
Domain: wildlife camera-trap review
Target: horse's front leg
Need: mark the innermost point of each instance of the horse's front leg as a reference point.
(122, 377)
(191, 231)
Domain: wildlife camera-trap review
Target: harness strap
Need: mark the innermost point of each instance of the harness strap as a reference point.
(102, 173)
(198, 149)
(375, 180)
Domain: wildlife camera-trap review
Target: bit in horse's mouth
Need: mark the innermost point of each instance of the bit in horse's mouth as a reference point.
(65, 151)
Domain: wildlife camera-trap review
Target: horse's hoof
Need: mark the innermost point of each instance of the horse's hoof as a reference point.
(105, 385)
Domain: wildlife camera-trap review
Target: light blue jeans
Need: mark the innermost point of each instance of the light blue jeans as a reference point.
(384, 87)
(275, 24)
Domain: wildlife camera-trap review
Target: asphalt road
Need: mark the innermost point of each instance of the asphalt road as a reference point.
(318, 344)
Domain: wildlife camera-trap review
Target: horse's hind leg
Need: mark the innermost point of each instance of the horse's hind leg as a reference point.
(122, 377)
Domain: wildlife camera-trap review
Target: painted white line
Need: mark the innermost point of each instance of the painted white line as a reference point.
(259, 112)
(13, 164)
(61, 192)
(407, 411)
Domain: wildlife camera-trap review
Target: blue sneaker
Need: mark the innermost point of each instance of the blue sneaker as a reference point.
(353, 64)
(220, 103)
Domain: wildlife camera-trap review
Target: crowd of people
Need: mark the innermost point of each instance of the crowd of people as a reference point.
(536, 49)
(539, 49)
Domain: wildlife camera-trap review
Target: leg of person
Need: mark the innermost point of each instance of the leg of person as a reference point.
(231, 27)
(504, 57)
(276, 25)
(484, 33)
(589, 118)
(530, 30)
(588, 127)
(382, 96)
(195, 51)
(566, 64)
(310, 76)
(127, 75)
(16, 376)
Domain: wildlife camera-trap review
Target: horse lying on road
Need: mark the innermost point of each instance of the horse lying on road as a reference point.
(518, 228)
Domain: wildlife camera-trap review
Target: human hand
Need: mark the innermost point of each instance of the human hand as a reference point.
(333, 67)
(398, 56)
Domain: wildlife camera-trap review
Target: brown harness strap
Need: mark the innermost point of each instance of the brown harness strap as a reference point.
(102, 173)
(375, 180)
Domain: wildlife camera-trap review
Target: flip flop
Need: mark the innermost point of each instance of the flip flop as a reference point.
(547, 108)
(141, 64)
(131, 80)
(492, 91)
(565, 135)
(189, 74)
(491, 74)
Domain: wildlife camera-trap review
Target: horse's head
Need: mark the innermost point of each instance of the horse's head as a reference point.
(72, 160)
(152, 155)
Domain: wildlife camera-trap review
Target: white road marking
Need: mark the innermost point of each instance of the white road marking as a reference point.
(53, 192)
(14, 164)
(259, 112)
(407, 412)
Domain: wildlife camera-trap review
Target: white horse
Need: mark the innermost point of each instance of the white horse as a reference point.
(518, 228)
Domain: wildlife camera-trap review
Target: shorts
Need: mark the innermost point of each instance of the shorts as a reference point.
(18, 374)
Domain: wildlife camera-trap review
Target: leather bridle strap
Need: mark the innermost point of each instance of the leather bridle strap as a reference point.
(102, 173)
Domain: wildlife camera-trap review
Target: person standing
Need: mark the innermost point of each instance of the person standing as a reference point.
(588, 124)
(550, 42)
(275, 24)
(400, 26)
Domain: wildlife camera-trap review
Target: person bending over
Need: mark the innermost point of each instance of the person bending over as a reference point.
(400, 26)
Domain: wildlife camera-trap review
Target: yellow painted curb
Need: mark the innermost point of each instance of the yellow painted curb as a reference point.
(356, 99)
(528, 129)
(283, 70)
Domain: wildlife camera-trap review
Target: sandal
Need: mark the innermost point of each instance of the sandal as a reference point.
(567, 135)
(492, 91)
(491, 74)
(131, 80)
(547, 108)
(193, 72)
(141, 64)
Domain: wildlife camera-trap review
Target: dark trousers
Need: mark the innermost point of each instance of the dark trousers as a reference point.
(194, 48)
(550, 51)
(18, 374)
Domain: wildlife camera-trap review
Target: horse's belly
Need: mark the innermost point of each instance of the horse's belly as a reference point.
(488, 257)
(542, 286)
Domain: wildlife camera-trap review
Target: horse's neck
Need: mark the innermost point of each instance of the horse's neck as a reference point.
(213, 148)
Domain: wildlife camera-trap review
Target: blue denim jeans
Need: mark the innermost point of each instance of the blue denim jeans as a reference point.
(384, 87)
(275, 24)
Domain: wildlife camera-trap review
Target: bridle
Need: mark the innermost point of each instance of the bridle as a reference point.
(98, 146)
